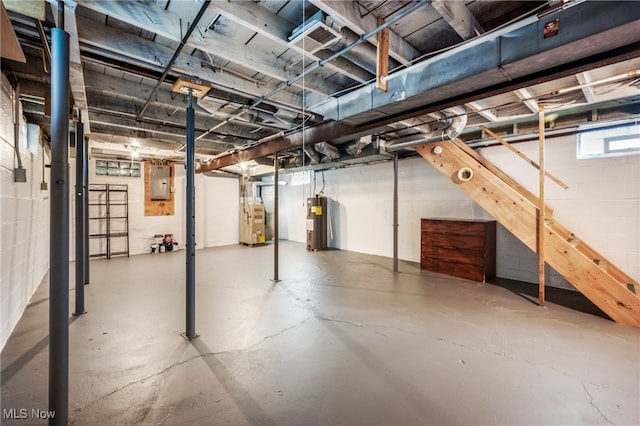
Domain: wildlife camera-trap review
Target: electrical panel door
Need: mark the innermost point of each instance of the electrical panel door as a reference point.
(160, 186)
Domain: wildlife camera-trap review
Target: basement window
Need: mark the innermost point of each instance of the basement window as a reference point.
(610, 141)
(117, 168)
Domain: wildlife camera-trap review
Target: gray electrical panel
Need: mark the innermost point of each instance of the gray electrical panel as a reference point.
(160, 182)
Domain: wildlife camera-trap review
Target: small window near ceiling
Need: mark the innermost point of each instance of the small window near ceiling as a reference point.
(611, 141)
(117, 168)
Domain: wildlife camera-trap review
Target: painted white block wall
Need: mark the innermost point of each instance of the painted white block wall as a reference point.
(602, 206)
(216, 210)
(24, 223)
(361, 206)
(220, 203)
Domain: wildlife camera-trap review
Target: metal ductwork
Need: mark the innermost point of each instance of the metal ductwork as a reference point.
(355, 148)
(364, 55)
(272, 120)
(313, 155)
(513, 55)
(254, 190)
(295, 161)
(455, 119)
(315, 36)
(327, 150)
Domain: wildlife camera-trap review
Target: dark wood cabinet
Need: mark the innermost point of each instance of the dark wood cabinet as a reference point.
(459, 247)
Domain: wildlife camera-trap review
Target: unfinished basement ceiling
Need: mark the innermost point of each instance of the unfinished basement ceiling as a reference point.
(262, 60)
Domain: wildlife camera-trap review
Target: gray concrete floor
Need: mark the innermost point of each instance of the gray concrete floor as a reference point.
(341, 340)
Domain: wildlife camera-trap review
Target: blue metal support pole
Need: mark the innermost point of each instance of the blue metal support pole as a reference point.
(80, 230)
(276, 202)
(190, 332)
(85, 199)
(59, 229)
(395, 212)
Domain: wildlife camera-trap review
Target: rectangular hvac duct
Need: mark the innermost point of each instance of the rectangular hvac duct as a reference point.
(313, 35)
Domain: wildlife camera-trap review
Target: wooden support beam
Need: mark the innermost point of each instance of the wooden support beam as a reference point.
(382, 61)
(524, 157)
(541, 224)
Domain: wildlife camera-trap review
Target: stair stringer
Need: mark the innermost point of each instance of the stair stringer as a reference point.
(518, 214)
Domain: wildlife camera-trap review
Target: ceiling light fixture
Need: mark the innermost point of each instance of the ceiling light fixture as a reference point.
(198, 88)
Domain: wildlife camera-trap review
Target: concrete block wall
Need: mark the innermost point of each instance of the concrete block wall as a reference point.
(219, 209)
(361, 206)
(602, 206)
(216, 210)
(24, 222)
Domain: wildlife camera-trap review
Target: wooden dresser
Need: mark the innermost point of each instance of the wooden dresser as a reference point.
(459, 247)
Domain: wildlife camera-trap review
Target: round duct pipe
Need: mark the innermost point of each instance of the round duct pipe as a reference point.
(355, 148)
(328, 150)
(456, 118)
(313, 155)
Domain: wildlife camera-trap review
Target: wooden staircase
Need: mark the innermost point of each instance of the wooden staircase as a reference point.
(614, 292)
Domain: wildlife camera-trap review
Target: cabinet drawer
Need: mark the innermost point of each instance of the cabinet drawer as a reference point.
(455, 255)
(474, 242)
(453, 228)
(462, 248)
(452, 267)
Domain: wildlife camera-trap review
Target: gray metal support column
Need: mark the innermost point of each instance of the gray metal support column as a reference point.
(190, 332)
(276, 234)
(395, 212)
(80, 230)
(59, 229)
(85, 199)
